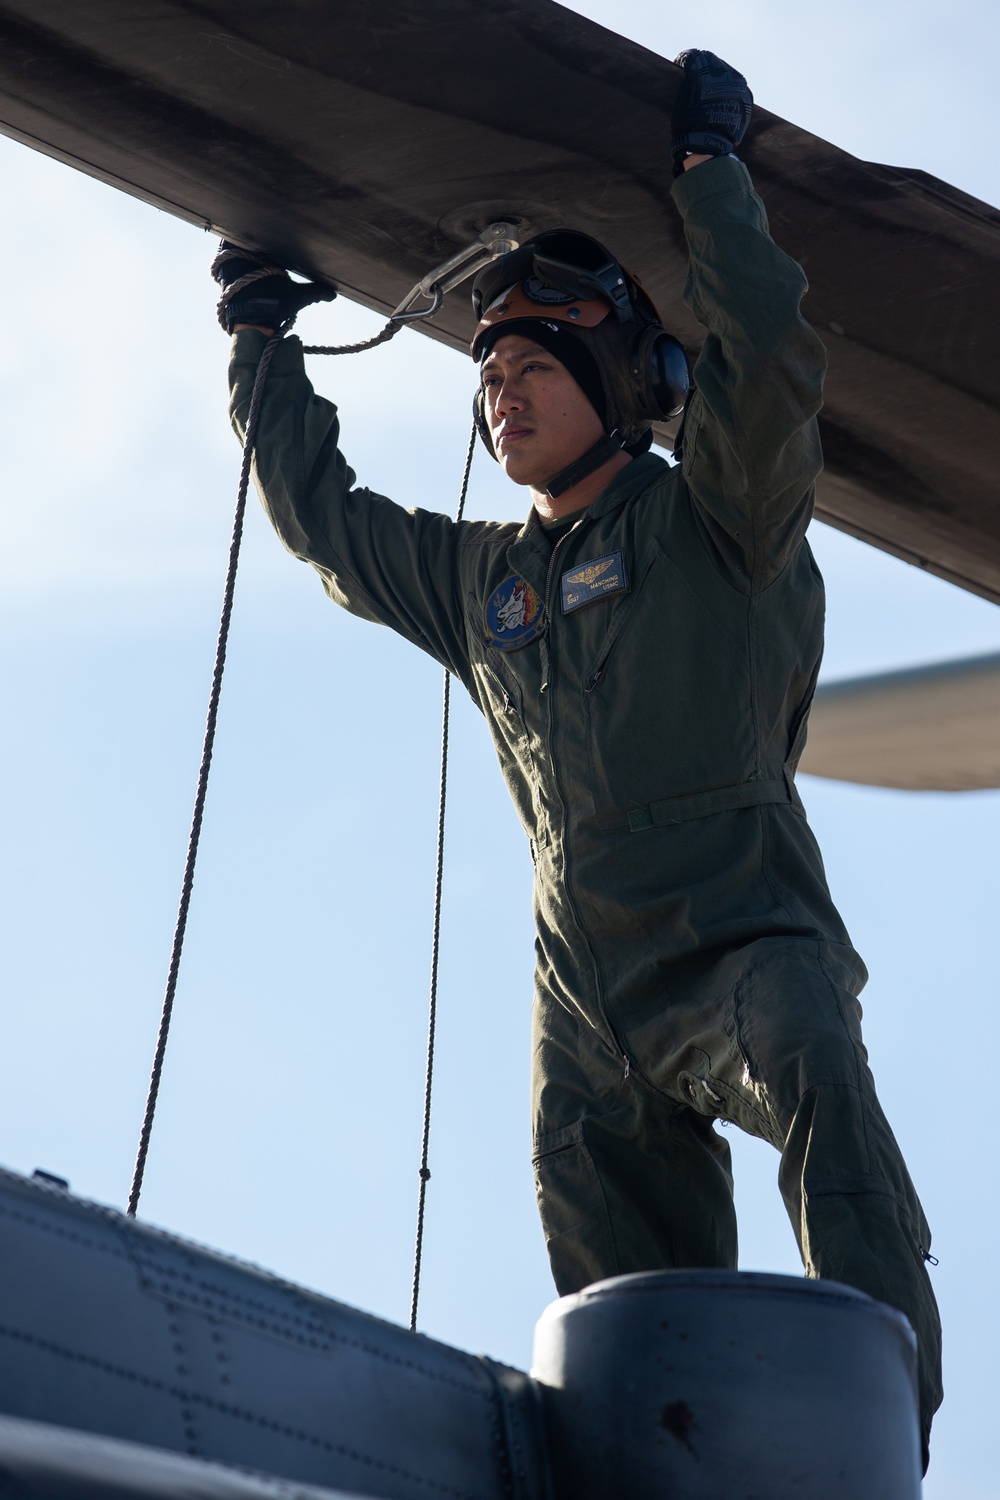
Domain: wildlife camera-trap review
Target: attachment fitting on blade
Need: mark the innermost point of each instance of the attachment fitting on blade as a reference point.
(496, 239)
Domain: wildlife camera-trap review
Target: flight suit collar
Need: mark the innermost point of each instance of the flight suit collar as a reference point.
(530, 552)
(629, 482)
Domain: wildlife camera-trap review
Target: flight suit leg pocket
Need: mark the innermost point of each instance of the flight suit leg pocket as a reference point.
(573, 1210)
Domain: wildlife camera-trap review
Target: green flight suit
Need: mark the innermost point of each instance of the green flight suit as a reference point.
(691, 965)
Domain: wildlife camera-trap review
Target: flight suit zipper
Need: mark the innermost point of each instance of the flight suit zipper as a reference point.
(611, 1032)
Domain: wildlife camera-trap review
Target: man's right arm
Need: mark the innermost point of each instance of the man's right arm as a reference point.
(397, 567)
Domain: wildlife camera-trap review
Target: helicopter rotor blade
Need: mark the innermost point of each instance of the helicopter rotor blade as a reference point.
(932, 728)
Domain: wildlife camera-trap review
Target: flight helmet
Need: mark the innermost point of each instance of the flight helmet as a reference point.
(567, 292)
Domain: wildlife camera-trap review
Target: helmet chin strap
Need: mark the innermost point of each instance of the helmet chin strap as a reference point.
(605, 448)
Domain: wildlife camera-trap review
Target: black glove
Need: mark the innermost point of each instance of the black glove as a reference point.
(713, 107)
(255, 290)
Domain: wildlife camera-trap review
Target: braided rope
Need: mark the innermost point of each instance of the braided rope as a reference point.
(262, 269)
(391, 328)
(261, 273)
(208, 743)
(388, 332)
(425, 1175)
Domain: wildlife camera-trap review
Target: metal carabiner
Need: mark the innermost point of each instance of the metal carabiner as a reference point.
(496, 239)
(404, 312)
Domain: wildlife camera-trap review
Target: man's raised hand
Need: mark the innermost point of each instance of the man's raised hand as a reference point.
(712, 110)
(256, 291)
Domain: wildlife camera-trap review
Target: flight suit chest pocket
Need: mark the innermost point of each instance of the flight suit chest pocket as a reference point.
(621, 611)
(504, 693)
(501, 693)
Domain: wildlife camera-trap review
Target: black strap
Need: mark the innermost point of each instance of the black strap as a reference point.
(581, 468)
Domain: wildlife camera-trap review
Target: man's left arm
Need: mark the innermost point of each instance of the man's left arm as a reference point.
(751, 449)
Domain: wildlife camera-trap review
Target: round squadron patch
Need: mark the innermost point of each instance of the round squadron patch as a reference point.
(515, 615)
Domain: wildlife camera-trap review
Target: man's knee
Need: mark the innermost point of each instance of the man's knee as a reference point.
(798, 1029)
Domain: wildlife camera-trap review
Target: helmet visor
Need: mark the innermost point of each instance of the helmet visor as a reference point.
(560, 265)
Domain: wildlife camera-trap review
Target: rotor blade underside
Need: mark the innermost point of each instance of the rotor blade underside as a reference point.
(933, 728)
(366, 142)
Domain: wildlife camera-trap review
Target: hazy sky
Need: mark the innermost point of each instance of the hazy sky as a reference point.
(289, 1124)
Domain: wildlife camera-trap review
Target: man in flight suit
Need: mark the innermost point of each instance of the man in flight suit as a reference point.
(645, 649)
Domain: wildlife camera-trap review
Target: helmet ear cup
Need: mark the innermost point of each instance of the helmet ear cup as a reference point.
(659, 367)
(482, 426)
(671, 376)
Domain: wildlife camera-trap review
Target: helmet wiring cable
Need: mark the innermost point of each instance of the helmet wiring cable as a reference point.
(424, 1173)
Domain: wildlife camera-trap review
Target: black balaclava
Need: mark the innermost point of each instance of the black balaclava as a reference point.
(567, 347)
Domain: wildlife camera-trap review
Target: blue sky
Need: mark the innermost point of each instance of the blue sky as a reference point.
(289, 1125)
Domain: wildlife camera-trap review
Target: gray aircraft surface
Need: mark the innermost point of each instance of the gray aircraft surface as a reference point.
(136, 1365)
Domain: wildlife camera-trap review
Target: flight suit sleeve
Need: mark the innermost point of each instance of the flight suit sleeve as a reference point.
(394, 566)
(751, 450)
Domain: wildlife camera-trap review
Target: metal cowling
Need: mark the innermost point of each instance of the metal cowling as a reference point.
(721, 1385)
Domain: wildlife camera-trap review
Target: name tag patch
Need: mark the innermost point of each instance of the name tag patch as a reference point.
(593, 580)
(515, 615)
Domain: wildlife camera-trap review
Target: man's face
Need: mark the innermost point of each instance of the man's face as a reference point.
(539, 418)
